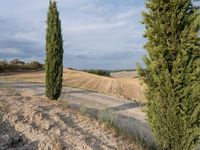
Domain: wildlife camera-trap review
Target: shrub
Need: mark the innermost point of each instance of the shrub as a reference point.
(35, 65)
(99, 72)
(17, 62)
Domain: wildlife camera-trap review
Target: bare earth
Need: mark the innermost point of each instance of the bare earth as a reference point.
(124, 74)
(29, 121)
(122, 84)
(124, 114)
(32, 122)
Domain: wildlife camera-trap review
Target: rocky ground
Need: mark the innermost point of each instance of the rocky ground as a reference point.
(33, 122)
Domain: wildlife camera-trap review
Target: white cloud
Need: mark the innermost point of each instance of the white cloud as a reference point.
(10, 51)
(91, 28)
(94, 26)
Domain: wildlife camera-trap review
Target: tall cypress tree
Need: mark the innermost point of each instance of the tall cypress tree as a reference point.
(54, 54)
(172, 72)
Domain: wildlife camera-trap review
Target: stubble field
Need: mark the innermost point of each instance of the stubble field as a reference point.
(121, 84)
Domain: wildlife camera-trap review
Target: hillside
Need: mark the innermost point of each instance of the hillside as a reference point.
(127, 87)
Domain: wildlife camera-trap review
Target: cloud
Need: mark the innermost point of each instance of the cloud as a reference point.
(19, 49)
(96, 33)
(112, 60)
(9, 51)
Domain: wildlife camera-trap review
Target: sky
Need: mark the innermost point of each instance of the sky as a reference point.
(97, 34)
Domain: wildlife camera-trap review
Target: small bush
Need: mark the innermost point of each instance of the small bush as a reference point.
(17, 62)
(35, 65)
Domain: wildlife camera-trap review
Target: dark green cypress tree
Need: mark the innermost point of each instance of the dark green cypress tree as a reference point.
(172, 72)
(54, 54)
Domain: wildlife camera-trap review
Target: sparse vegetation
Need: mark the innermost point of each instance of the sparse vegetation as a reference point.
(106, 118)
(20, 66)
(173, 72)
(54, 54)
(83, 110)
(99, 72)
(121, 70)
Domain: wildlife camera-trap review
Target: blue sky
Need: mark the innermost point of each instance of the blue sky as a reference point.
(103, 34)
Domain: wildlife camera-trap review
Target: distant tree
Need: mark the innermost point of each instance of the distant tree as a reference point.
(17, 62)
(172, 72)
(54, 54)
(35, 65)
(3, 62)
(99, 72)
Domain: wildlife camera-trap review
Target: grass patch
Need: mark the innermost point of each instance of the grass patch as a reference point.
(105, 118)
(83, 110)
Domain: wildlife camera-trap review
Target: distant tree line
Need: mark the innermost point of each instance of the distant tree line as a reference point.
(121, 70)
(19, 66)
(98, 72)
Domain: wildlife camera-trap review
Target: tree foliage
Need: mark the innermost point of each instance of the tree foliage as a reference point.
(20, 66)
(54, 54)
(172, 72)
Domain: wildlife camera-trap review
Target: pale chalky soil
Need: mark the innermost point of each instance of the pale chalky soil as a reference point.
(37, 123)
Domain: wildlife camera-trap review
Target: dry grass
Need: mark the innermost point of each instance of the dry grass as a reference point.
(127, 87)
